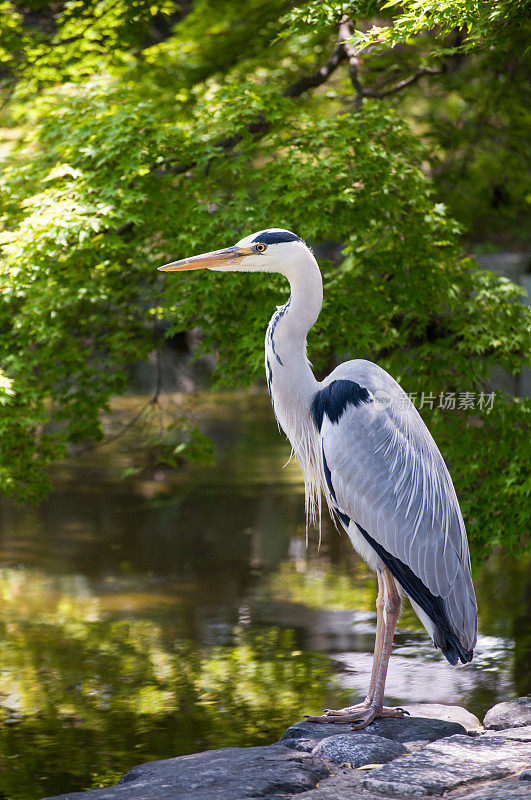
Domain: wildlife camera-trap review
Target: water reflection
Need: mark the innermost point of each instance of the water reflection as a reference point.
(181, 610)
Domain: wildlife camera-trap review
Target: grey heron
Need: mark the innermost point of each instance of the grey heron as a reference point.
(361, 442)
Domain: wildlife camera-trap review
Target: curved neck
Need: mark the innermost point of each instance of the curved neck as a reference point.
(306, 300)
(290, 378)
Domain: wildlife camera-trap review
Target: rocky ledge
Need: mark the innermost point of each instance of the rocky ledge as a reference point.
(438, 751)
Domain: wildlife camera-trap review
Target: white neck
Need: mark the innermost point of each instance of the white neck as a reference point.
(291, 382)
(286, 337)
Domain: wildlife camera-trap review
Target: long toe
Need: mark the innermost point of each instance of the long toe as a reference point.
(348, 710)
(393, 711)
(349, 714)
(373, 712)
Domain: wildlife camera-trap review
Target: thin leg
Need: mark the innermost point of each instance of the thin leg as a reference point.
(387, 613)
(376, 707)
(378, 643)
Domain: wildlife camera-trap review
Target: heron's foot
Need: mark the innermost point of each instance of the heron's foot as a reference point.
(348, 714)
(361, 715)
(373, 712)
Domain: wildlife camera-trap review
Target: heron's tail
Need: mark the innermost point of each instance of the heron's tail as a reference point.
(436, 613)
(451, 648)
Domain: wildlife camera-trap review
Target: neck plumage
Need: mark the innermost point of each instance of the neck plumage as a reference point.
(290, 380)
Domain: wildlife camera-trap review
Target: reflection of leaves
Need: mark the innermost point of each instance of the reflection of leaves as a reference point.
(130, 472)
(92, 694)
(86, 663)
(159, 435)
(319, 587)
(259, 685)
(198, 448)
(89, 688)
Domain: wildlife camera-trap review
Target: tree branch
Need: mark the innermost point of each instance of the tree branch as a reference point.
(346, 30)
(321, 75)
(401, 84)
(260, 125)
(343, 50)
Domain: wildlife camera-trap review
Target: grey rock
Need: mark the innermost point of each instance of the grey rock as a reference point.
(450, 763)
(303, 745)
(415, 732)
(234, 773)
(510, 734)
(358, 749)
(343, 784)
(504, 790)
(306, 735)
(446, 713)
(513, 714)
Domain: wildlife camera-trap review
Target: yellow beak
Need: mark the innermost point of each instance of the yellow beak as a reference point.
(217, 258)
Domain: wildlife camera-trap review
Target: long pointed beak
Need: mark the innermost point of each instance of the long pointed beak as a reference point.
(216, 258)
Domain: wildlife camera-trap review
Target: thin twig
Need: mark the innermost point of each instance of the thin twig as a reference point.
(321, 75)
(93, 445)
(401, 84)
(346, 31)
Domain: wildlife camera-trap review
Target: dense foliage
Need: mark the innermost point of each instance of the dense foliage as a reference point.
(149, 131)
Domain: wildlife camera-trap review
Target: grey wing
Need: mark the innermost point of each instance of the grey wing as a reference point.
(386, 476)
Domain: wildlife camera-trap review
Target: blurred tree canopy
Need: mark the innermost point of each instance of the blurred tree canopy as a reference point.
(146, 131)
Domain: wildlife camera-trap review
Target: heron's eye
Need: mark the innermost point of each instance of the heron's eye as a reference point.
(259, 248)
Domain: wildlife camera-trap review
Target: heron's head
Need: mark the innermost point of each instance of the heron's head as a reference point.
(271, 250)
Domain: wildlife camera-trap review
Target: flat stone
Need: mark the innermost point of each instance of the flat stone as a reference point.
(358, 749)
(513, 714)
(525, 775)
(233, 773)
(450, 763)
(504, 790)
(413, 731)
(444, 712)
(344, 783)
(510, 734)
(304, 736)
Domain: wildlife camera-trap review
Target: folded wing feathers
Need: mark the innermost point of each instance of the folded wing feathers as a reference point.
(389, 476)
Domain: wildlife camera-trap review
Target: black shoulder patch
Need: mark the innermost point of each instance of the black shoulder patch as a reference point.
(276, 237)
(432, 604)
(334, 398)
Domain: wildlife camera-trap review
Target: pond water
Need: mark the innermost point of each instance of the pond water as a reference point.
(178, 610)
